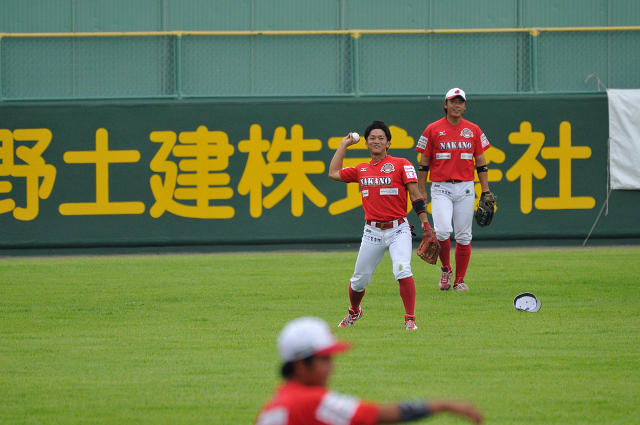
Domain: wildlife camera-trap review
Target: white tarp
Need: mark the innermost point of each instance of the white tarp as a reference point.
(624, 139)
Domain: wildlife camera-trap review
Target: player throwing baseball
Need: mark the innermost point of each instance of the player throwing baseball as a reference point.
(384, 184)
(448, 150)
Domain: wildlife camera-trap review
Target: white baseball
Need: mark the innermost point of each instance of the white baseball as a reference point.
(355, 136)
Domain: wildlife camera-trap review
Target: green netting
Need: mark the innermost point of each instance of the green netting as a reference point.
(334, 64)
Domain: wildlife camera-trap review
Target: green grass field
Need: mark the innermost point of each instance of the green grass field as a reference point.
(191, 338)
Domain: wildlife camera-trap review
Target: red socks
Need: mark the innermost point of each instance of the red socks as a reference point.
(445, 253)
(463, 254)
(355, 298)
(408, 294)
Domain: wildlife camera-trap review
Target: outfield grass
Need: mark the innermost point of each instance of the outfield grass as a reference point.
(191, 338)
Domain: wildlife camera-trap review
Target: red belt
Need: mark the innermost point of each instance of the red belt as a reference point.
(386, 224)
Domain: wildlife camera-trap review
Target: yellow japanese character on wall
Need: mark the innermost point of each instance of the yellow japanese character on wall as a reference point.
(33, 169)
(196, 178)
(528, 167)
(258, 173)
(102, 157)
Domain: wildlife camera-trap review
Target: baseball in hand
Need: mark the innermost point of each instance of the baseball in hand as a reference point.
(355, 136)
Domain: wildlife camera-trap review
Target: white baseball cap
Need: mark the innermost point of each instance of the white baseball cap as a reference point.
(526, 302)
(455, 92)
(307, 336)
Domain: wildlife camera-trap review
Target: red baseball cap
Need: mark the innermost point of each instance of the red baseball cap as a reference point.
(454, 92)
(307, 336)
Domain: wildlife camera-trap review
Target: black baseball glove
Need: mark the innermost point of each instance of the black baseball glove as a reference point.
(486, 209)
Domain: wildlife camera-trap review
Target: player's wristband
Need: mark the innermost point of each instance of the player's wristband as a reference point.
(423, 168)
(419, 207)
(482, 169)
(413, 411)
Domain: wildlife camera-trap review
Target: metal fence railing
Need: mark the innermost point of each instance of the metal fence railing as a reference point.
(176, 64)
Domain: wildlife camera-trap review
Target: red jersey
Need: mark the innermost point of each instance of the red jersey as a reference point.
(298, 404)
(452, 149)
(383, 186)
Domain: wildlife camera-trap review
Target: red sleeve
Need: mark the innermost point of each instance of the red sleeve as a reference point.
(428, 150)
(349, 174)
(367, 414)
(334, 408)
(482, 144)
(422, 141)
(409, 175)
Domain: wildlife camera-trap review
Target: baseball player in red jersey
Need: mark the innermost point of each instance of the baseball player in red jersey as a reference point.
(384, 184)
(448, 150)
(306, 346)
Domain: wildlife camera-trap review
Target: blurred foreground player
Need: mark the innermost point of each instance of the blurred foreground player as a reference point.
(450, 147)
(306, 345)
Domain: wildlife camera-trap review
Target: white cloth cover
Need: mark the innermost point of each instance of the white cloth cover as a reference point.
(624, 139)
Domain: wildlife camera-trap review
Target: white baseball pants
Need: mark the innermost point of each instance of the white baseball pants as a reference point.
(374, 244)
(453, 202)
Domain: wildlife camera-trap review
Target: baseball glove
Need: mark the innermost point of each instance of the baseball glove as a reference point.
(486, 209)
(429, 248)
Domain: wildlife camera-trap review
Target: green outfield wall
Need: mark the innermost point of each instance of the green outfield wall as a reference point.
(171, 173)
(264, 15)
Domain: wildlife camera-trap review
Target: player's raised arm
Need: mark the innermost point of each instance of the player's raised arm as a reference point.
(338, 157)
